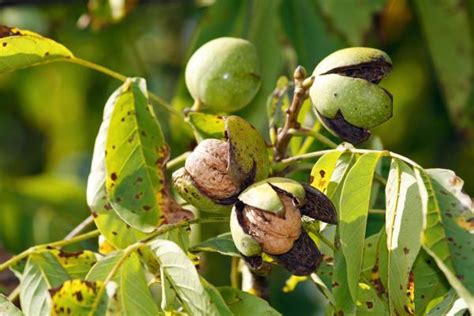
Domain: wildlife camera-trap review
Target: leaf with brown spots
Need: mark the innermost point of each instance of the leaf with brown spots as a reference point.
(404, 223)
(76, 264)
(42, 273)
(445, 237)
(131, 162)
(21, 49)
(323, 169)
(368, 303)
(79, 297)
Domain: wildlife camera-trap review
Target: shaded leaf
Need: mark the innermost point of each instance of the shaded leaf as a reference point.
(353, 19)
(21, 49)
(340, 286)
(216, 298)
(101, 269)
(430, 283)
(368, 303)
(404, 223)
(353, 212)
(300, 18)
(451, 304)
(8, 308)
(183, 277)
(136, 153)
(42, 272)
(447, 231)
(223, 244)
(450, 43)
(242, 303)
(277, 104)
(78, 297)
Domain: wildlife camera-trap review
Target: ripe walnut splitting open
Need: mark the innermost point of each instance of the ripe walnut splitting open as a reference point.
(267, 219)
(346, 94)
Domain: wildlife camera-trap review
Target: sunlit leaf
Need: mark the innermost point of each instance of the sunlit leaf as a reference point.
(222, 244)
(42, 272)
(111, 226)
(242, 303)
(77, 264)
(183, 277)
(8, 308)
(353, 212)
(206, 125)
(450, 43)
(78, 297)
(102, 268)
(448, 232)
(404, 223)
(322, 171)
(21, 49)
(136, 153)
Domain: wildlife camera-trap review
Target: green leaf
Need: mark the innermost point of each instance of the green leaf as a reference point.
(368, 303)
(242, 303)
(112, 227)
(430, 283)
(183, 277)
(133, 293)
(449, 305)
(216, 298)
(300, 18)
(76, 264)
(322, 171)
(447, 234)
(340, 286)
(78, 297)
(353, 212)
(7, 308)
(404, 223)
(42, 272)
(335, 185)
(450, 43)
(21, 49)
(222, 244)
(136, 153)
(206, 125)
(352, 18)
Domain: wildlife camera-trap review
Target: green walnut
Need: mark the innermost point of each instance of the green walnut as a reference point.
(346, 96)
(217, 170)
(267, 219)
(223, 75)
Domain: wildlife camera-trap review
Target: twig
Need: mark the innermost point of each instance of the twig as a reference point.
(291, 122)
(61, 243)
(79, 228)
(177, 161)
(234, 272)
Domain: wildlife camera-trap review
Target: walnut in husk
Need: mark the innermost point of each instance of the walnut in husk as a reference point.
(346, 96)
(267, 219)
(219, 169)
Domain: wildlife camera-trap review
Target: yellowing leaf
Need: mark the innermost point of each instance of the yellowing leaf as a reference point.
(323, 169)
(78, 297)
(21, 49)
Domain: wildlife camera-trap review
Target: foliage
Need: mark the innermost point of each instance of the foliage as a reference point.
(414, 261)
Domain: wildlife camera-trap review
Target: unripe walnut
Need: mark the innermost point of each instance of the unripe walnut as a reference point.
(223, 75)
(208, 167)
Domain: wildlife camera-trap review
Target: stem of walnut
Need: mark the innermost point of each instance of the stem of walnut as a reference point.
(284, 136)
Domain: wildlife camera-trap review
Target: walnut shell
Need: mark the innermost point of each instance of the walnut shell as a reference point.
(208, 167)
(276, 234)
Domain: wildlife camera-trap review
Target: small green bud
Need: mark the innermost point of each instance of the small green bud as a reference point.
(346, 95)
(267, 218)
(219, 169)
(223, 75)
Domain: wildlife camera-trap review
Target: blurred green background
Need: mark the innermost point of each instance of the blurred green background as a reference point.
(49, 115)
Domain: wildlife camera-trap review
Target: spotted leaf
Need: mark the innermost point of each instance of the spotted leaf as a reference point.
(21, 49)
